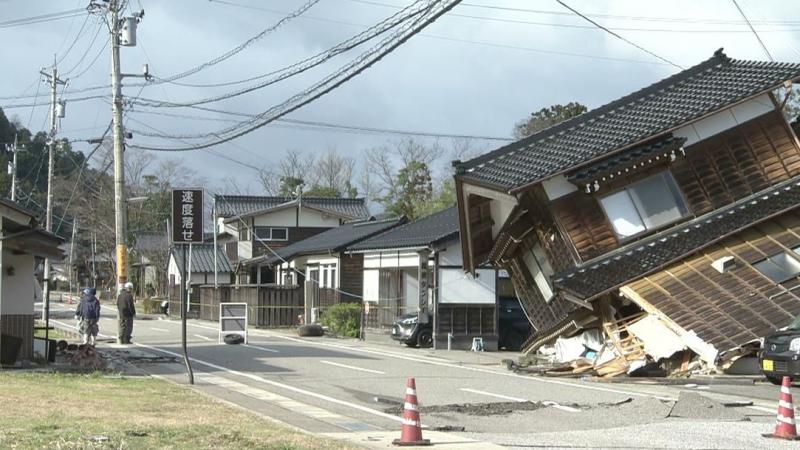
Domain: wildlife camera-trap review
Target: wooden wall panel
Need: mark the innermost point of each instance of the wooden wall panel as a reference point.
(737, 163)
(585, 224)
(733, 308)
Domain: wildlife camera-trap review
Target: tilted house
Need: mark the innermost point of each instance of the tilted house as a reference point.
(677, 202)
(252, 225)
(417, 267)
(336, 276)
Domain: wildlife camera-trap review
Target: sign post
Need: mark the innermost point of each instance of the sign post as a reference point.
(187, 229)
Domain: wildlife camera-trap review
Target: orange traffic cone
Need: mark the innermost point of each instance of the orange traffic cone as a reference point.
(411, 433)
(785, 428)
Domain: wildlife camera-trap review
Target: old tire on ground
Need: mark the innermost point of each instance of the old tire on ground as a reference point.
(425, 339)
(312, 330)
(234, 339)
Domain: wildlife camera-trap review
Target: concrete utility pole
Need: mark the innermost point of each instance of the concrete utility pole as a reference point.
(12, 168)
(123, 33)
(72, 253)
(52, 79)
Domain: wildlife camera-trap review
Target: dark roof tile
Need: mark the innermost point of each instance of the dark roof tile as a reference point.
(203, 259)
(237, 205)
(425, 231)
(672, 102)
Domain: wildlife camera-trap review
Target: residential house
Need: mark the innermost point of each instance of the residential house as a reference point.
(22, 242)
(201, 266)
(147, 258)
(677, 203)
(417, 268)
(337, 276)
(249, 226)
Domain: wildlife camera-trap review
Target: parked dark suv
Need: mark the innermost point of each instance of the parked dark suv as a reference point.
(780, 353)
(409, 331)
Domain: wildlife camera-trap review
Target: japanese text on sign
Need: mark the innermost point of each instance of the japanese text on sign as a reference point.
(187, 216)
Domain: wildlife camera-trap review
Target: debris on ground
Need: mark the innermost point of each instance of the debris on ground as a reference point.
(621, 402)
(695, 406)
(87, 357)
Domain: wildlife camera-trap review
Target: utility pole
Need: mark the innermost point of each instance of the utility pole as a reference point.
(123, 33)
(56, 110)
(12, 167)
(72, 253)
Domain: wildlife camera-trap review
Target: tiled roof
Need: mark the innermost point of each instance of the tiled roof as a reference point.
(335, 239)
(237, 205)
(425, 231)
(650, 254)
(203, 259)
(150, 241)
(705, 88)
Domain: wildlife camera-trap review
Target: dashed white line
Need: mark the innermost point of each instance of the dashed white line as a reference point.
(281, 385)
(517, 399)
(490, 394)
(345, 366)
(263, 349)
(205, 338)
(159, 329)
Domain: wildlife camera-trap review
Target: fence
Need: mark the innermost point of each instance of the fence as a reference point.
(268, 305)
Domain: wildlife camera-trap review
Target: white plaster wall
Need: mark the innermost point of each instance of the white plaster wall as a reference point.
(245, 249)
(457, 287)
(18, 289)
(371, 282)
(451, 254)
(311, 218)
(280, 218)
(725, 120)
(555, 187)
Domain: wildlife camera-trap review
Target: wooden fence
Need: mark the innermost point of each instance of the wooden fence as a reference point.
(268, 305)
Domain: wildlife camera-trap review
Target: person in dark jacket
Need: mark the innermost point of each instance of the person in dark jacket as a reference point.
(88, 313)
(126, 313)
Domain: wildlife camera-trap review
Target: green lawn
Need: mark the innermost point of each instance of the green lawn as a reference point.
(63, 411)
(55, 333)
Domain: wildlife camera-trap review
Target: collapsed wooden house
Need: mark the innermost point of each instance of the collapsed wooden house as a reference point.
(676, 204)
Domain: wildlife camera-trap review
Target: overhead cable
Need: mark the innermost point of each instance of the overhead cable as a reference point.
(618, 36)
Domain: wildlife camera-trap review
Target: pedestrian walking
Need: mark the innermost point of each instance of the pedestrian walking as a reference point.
(126, 313)
(88, 312)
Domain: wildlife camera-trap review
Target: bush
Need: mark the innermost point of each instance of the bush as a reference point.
(151, 306)
(343, 319)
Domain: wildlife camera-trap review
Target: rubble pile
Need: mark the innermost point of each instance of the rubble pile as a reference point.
(87, 357)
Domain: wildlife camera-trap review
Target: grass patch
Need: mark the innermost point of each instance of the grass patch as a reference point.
(50, 410)
(55, 333)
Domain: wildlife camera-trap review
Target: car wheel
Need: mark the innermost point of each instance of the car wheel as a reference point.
(410, 343)
(775, 379)
(425, 338)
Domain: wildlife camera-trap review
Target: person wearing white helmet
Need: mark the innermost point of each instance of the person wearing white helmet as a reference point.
(126, 312)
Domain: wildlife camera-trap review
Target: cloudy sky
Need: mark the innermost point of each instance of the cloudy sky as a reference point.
(476, 71)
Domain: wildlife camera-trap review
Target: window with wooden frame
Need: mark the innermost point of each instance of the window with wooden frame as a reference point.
(244, 231)
(779, 267)
(540, 269)
(272, 233)
(645, 205)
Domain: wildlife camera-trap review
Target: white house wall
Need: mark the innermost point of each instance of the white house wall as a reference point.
(371, 290)
(725, 120)
(18, 289)
(451, 254)
(288, 218)
(456, 287)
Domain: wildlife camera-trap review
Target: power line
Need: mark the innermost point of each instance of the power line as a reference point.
(86, 52)
(33, 105)
(74, 41)
(618, 36)
(433, 11)
(753, 30)
(570, 25)
(42, 18)
(297, 68)
(306, 124)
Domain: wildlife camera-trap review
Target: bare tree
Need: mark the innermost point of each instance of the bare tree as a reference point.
(294, 168)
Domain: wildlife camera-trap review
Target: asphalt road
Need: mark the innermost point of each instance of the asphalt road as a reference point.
(328, 385)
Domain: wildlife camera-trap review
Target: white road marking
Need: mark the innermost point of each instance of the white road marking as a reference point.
(331, 363)
(561, 407)
(763, 409)
(517, 399)
(504, 397)
(205, 338)
(159, 329)
(281, 385)
(263, 349)
(288, 403)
